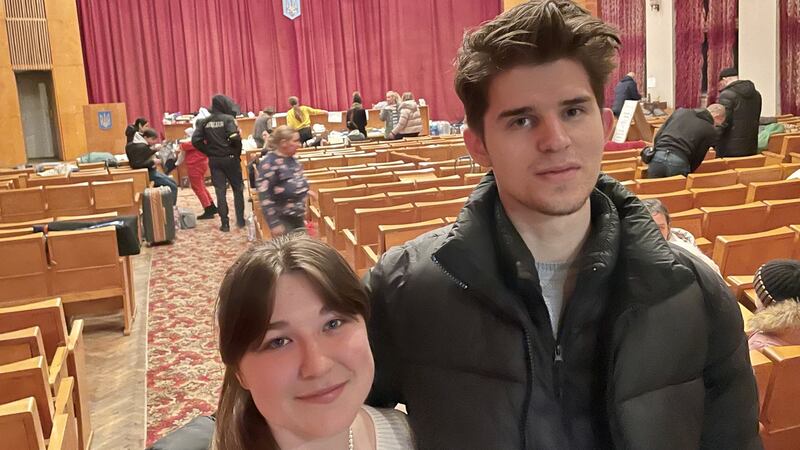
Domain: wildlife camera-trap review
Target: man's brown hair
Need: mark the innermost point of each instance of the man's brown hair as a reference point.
(535, 32)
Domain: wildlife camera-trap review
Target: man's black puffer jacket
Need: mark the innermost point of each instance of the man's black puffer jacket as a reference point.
(743, 104)
(461, 350)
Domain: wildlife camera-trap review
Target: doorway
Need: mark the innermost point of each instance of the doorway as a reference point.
(37, 108)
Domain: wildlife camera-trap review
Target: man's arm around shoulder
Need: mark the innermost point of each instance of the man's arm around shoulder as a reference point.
(731, 407)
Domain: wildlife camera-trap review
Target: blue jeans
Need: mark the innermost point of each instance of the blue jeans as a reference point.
(159, 179)
(667, 163)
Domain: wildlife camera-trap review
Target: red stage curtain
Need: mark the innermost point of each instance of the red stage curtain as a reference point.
(721, 21)
(166, 56)
(689, 23)
(790, 56)
(628, 18)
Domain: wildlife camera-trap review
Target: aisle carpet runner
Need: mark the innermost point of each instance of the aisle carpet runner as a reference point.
(184, 372)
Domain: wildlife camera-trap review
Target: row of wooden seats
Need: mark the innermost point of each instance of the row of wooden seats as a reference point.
(43, 389)
(25, 204)
(677, 187)
(743, 253)
(781, 145)
(140, 177)
(777, 370)
(83, 267)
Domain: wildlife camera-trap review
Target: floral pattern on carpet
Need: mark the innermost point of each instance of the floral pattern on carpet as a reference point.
(184, 372)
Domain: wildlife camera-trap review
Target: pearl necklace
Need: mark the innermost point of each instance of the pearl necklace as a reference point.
(350, 439)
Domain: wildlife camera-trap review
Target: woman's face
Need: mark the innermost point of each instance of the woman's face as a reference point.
(289, 146)
(311, 374)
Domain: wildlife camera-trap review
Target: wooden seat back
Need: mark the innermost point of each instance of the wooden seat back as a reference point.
(323, 161)
(389, 169)
(85, 260)
(720, 196)
(621, 174)
(787, 169)
(55, 180)
(24, 204)
(781, 213)
(473, 179)
(781, 410)
(47, 315)
(354, 171)
(712, 165)
(89, 176)
(386, 177)
(23, 268)
(392, 186)
(439, 209)
(423, 195)
(690, 220)
(140, 177)
(20, 426)
(344, 208)
(326, 195)
(660, 185)
(738, 219)
(773, 190)
(460, 170)
(619, 164)
(745, 161)
(767, 173)
(416, 175)
(29, 378)
(393, 235)
(434, 152)
(69, 199)
(18, 345)
(92, 166)
(762, 369)
(744, 253)
(622, 154)
(711, 180)
(360, 159)
(367, 220)
(452, 192)
(117, 196)
(452, 180)
(674, 201)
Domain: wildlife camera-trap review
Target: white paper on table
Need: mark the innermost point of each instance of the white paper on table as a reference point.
(274, 123)
(335, 116)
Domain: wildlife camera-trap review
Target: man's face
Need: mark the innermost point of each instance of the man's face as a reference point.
(543, 136)
(663, 226)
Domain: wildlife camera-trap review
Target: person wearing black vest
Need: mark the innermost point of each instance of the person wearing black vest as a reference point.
(683, 141)
(219, 138)
(552, 314)
(743, 103)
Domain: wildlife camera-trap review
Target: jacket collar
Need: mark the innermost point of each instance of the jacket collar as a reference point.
(626, 240)
(704, 114)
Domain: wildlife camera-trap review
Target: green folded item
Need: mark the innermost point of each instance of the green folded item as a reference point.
(766, 132)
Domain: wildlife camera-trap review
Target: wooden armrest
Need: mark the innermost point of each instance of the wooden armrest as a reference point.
(704, 245)
(58, 368)
(63, 400)
(330, 223)
(773, 158)
(371, 254)
(349, 237)
(136, 198)
(315, 212)
(75, 335)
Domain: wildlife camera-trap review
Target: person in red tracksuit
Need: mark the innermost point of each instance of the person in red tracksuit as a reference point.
(197, 165)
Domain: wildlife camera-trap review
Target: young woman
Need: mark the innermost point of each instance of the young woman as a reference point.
(776, 321)
(282, 187)
(410, 122)
(298, 366)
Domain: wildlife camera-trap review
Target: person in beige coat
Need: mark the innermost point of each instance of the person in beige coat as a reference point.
(410, 122)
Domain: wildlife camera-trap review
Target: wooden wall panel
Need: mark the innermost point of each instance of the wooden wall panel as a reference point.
(12, 151)
(69, 78)
(111, 140)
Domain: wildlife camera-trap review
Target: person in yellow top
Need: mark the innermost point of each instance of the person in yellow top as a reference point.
(299, 118)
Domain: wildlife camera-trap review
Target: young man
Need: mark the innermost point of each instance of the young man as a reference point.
(218, 137)
(743, 102)
(683, 141)
(553, 314)
(140, 152)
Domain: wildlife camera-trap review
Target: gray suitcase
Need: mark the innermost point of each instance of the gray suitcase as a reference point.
(158, 218)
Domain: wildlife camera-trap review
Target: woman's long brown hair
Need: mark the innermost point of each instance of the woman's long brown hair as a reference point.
(244, 308)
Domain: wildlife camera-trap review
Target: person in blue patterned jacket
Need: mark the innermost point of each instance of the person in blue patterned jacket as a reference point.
(282, 187)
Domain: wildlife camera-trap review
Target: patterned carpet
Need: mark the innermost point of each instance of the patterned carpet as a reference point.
(184, 372)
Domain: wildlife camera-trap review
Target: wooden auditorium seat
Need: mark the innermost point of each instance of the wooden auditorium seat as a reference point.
(660, 185)
(712, 165)
(24, 273)
(788, 169)
(738, 219)
(69, 199)
(29, 378)
(768, 173)
(48, 316)
(674, 201)
(323, 205)
(621, 174)
(782, 213)
(24, 204)
(744, 253)
(773, 190)
(712, 179)
(452, 180)
(391, 186)
(720, 196)
(780, 414)
(54, 180)
(690, 220)
(745, 161)
(423, 195)
(365, 230)
(451, 192)
(343, 216)
(762, 369)
(439, 209)
(386, 177)
(119, 196)
(619, 164)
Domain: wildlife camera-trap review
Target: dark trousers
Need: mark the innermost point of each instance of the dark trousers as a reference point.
(667, 163)
(159, 179)
(305, 134)
(224, 171)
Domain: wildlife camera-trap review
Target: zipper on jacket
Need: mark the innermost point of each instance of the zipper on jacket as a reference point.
(460, 283)
(558, 360)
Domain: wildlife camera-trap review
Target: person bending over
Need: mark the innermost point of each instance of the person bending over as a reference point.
(683, 141)
(552, 314)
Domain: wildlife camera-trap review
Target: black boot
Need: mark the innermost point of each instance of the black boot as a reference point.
(208, 212)
(241, 223)
(225, 227)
